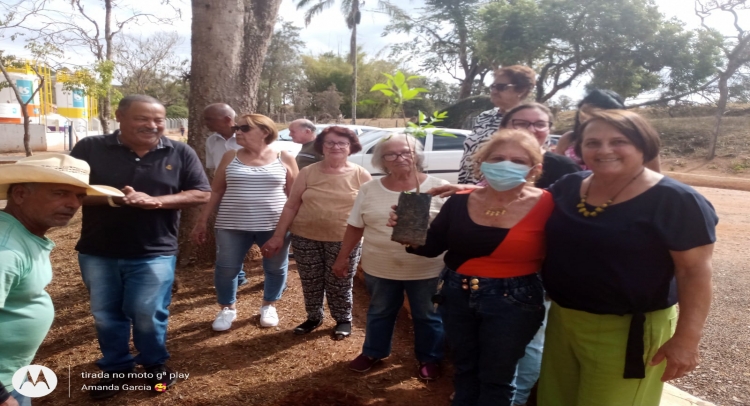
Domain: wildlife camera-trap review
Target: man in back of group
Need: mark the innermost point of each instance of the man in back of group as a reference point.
(219, 118)
(43, 191)
(302, 132)
(128, 246)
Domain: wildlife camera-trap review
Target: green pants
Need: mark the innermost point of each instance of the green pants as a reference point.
(584, 359)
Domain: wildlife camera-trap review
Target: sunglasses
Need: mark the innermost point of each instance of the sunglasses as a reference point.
(501, 86)
(244, 128)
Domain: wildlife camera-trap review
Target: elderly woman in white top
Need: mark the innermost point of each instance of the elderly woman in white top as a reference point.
(389, 270)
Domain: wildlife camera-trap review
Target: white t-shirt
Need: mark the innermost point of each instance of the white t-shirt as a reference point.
(216, 147)
(382, 257)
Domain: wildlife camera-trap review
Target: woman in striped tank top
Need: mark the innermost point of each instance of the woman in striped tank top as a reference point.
(252, 185)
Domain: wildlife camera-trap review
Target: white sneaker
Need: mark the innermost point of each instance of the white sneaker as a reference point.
(268, 316)
(224, 319)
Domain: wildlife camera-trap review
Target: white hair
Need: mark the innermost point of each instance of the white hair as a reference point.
(416, 147)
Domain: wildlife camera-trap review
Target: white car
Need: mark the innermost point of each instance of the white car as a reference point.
(285, 143)
(442, 154)
(551, 142)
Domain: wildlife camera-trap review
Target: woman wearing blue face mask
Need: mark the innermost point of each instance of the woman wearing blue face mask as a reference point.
(491, 298)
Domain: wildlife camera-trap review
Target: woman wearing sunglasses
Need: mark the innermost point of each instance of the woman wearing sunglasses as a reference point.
(252, 185)
(511, 86)
(316, 213)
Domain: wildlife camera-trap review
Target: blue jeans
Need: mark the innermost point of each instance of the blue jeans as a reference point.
(530, 365)
(231, 248)
(386, 300)
(125, 292)
(488, 330)
(21, 399)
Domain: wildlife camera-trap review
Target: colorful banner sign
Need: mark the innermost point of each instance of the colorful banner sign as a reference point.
(78, 99)
(25, 88)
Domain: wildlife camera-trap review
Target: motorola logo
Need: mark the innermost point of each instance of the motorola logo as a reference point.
(34, 381)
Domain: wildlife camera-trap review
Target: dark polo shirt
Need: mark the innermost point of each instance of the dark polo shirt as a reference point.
(308, 155)
(129, 232)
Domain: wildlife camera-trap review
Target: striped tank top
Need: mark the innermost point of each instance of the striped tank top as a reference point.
(254, 197)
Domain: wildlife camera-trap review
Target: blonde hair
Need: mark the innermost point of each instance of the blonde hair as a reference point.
(264, 123)
(505, 136)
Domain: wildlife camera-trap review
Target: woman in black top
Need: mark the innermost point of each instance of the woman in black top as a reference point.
(623, 242)
(536, 119)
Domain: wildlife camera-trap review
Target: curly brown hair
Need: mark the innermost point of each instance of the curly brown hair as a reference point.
(522, 77)
(354, 144)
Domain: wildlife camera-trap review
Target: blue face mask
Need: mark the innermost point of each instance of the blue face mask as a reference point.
(504, 175)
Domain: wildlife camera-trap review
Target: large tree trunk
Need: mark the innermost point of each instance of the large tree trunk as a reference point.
(353, 55)
(229, 42)
(104, 113)
(465, 89)
(722, 106)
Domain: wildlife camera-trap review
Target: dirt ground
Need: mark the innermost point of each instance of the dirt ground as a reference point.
(253, 366)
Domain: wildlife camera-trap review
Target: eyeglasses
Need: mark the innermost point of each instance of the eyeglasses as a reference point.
(340, 144)
(501, 86)
(394, 156)
(524, 124)
(244, 128)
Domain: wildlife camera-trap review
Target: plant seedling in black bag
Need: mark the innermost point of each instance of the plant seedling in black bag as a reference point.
(413, 208)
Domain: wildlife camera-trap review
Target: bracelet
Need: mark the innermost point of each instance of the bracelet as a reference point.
(112, 202)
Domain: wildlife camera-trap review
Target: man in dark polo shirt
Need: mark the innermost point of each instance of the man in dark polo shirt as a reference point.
(302, 132)
(128, 246)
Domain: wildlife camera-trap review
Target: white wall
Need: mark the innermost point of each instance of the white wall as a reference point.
(11, 138)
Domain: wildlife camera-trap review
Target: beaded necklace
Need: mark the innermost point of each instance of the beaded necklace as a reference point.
(598, 209)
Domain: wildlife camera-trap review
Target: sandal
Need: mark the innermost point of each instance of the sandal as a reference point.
(307, 326)
(342, 330)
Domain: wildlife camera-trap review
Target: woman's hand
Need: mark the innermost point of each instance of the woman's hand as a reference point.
(392, 218)
(272, 246)
(198, 235)
(340, 268)
(681, 355)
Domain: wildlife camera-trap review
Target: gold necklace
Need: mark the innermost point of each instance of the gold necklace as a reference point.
(598, 209)
(501, 211)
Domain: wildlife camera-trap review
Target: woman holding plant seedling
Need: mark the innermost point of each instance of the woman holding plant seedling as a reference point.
(535, 118)
(490, 296)
(389, 271)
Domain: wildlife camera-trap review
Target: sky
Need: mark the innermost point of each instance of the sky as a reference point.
(327, 31)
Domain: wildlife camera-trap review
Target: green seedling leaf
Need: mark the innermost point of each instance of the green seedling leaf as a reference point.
(380, 86)
(399, 80)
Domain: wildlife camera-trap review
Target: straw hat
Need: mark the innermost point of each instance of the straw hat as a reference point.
(51, 168)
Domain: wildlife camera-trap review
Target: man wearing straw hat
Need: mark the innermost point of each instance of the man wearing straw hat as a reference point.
(128, 246)
(43, 191)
